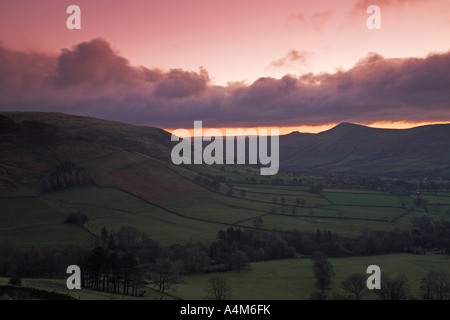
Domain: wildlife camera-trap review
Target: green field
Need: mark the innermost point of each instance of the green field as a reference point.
(30, 221)
(180, 219)
(293, 279)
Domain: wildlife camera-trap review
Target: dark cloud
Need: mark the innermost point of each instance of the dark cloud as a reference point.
(92, 79)
(96, 63)
(181, 84)
(27, 71)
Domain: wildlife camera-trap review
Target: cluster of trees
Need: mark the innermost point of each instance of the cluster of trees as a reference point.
(210, 182)
(66, 175)
(46, 261)
(112, 272)
(316, 188)
(424, 236)
(390, 185)
(77, 218)
(234, 248)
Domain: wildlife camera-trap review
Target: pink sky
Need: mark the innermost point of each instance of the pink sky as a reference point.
(236, 42)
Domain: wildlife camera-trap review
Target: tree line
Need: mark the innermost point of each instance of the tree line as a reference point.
(124, 260)
(66, 175)
(435, 285)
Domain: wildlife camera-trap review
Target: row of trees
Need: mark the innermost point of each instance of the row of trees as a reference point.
(435, 285)
(112, 272)
(392, 185)
(66, 175)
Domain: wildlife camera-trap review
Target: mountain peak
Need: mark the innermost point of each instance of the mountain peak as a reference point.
(345, 127)
(349, 125)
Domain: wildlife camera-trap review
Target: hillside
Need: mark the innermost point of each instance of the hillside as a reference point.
(150, 141)
(355, 149)
(30, 150)
(130, 188)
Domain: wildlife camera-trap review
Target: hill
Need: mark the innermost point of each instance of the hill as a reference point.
(30, 150)
(355, 149)
(129, 188)
(150, 141)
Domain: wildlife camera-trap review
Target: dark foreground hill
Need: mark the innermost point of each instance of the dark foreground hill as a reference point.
(150, 141)
(38, 146)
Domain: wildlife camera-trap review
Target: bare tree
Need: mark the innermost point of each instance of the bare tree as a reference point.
(356, 285)
(393, 288)
(218, 289)
(436, 285)
(165, 273)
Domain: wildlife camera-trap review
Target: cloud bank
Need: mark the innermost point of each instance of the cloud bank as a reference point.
(92, 79)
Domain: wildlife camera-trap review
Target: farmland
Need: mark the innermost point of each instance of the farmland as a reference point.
(293, 279)
(179, 218)
(289, 279)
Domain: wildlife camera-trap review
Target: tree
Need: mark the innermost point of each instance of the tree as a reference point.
(95, 271)
(393, 288)
(165, 273)
(131, 275)
(420, 202)
(258, 223)
(104, 234)
(356, 285)
(218, 289)
(230, 190)
(239, 260)
(323, 271)
(77, 218)
(316, 188)
(436, 285)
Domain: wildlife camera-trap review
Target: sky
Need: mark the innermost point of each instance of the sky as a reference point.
(290, 64)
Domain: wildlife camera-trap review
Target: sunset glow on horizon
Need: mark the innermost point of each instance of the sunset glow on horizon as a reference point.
(313, 129)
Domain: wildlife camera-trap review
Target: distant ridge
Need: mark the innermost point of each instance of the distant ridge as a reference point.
(357, 149)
